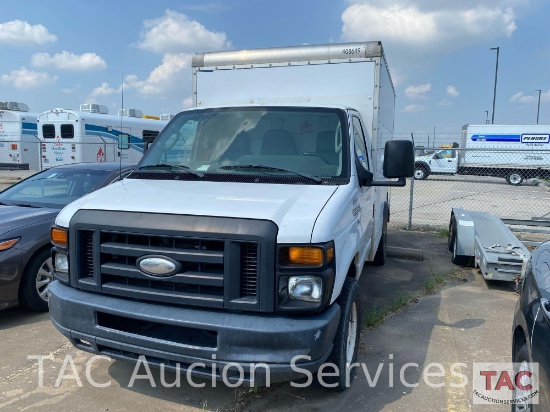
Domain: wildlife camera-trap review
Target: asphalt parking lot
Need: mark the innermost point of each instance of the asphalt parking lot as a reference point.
(434, 197)
(456, 324)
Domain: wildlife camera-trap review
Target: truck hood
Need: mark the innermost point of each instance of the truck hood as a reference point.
(294, 208)
(16, 217)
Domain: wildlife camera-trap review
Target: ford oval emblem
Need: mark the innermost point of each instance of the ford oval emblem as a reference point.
(159, 266)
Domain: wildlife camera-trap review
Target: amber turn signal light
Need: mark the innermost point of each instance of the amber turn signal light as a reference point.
(59, 237)
(306, 256)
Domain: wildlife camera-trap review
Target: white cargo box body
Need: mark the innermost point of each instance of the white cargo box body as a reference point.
(19, 142)
(520, 146)
(352, 75)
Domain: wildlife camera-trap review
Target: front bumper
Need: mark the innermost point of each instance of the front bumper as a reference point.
(126, 329)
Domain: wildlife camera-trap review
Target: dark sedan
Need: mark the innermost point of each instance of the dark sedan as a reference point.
(531, 332)
(27, 212)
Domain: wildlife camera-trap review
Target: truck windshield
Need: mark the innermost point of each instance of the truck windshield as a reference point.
(288, 141)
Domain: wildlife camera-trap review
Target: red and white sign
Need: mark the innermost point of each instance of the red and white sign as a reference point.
(100, 155)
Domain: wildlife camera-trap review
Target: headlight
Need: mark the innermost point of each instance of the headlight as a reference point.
(61, 262)
(8, 244)
(309, 288)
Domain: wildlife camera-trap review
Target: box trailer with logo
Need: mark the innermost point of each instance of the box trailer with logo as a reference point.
(513, 152)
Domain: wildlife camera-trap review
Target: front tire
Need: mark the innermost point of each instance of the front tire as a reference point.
(420, 173)
(348, 336)
(514, 178)
(33, 288)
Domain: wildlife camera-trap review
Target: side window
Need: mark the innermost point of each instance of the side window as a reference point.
(150, 135)
(48, 131)
(360, 147)
(67, 131)
(447, 154)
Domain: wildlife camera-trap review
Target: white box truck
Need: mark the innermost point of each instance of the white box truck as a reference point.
(513, 152)
(241, 235)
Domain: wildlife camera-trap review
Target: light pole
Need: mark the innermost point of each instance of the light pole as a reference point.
(486, 116)
(434, 136)
(495, 91)
(538, 107)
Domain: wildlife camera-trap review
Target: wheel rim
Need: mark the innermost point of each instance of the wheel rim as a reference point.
(520, 393)
(515, 178)
(419, 173)
(352, 333)
(43, 279)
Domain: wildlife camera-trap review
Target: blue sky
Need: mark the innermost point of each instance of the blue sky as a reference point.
(63, 53)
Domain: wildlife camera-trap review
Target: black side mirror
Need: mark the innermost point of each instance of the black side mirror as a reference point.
(398, 159)
(146, 147)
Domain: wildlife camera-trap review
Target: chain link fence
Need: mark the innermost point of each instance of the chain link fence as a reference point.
(29, 153)
(508, 183)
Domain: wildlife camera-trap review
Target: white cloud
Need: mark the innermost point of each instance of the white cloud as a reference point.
(414, 108)
(519, 97)
(105, 90)
(418, 92)
(426, 23)
(452, 91)
(175, 33)
(26, 79)
(390, 23)
(69, 61)
(21, 33)
(444, 102)
(166, 79)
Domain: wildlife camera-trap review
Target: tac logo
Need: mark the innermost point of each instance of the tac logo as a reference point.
(535, 138)
(506, 383)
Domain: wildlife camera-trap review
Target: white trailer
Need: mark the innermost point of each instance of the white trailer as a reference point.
(513, 152)
(19, 144)
(244, 229)
(91, 134)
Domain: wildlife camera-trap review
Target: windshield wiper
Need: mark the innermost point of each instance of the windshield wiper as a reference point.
(164, 166)
(273, 168)
(24, 205)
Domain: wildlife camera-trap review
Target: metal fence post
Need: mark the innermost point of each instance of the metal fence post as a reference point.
(411, 192)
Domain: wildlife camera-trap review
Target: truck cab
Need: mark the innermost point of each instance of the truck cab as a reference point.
(441, 162)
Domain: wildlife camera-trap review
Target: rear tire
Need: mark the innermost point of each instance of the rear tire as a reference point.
(514, 178)
(33, 288)
(348, 335)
